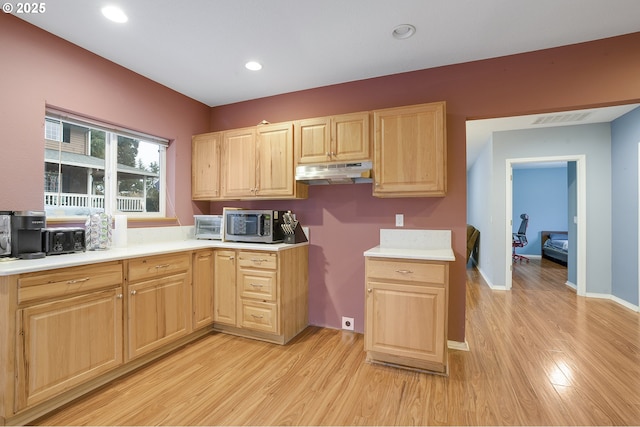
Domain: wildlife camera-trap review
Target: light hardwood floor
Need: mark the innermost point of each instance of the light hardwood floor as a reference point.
(539, 355)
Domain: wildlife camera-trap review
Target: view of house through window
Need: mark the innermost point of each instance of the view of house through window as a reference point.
(91, 168)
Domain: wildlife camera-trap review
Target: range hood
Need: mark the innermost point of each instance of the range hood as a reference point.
(337, 173)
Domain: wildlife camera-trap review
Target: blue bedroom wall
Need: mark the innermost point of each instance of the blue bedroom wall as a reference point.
(625, 137)
(542, 193)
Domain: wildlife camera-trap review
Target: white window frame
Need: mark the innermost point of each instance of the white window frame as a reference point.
(111, 154)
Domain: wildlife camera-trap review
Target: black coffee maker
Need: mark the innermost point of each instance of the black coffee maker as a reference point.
(26, 234)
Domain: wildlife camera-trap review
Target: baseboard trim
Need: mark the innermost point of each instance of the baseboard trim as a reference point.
(457, 345)
(617, 300)
(489, 283)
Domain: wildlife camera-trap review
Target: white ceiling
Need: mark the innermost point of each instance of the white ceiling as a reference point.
(199, 47)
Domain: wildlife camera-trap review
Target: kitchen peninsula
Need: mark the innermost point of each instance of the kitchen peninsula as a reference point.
(407, 294)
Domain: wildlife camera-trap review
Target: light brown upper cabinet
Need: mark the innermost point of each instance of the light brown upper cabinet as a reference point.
(205, 166)
(258, 162)
(239, 163)
(410, 155)
(333, 139)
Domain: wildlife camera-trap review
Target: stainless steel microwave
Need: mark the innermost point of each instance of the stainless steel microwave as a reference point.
(208, 226)
(260, 226)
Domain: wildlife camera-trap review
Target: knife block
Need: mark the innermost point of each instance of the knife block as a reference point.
(297, 237)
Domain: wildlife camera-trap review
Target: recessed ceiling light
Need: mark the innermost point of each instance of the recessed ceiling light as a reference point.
(115, 14)
(253, 65)
(403, 31)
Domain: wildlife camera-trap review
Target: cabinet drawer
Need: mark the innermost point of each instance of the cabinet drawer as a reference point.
(259, 316)
(68, 281)
(258, 260)
(161, 265)
(410, 271)
(259, 284)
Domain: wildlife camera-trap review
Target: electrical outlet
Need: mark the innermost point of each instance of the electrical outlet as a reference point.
(347, 323)
(399, 220)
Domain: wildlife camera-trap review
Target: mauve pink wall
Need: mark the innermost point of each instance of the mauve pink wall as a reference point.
(38, 69)
(345, 220)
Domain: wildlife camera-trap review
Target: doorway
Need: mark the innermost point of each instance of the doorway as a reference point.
(577, 230)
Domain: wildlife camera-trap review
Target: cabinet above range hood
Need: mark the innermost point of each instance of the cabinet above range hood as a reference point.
(336, 173)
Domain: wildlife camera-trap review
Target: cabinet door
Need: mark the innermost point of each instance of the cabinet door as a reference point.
(205, 166)
(224, 297)
(350, 138)
(406, 320)
(157, 313)
(410, 151)
(312, 140)
(275, 160)
(64, 343)
(239, 165)
(202, 295)
(333, 139)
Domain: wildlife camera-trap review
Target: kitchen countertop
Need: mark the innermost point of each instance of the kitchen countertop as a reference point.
(434, 245)
(133, 250)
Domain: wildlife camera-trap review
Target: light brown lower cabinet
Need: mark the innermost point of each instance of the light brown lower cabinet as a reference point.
(159, 301)
(406, 313)
(69, 329)
(202, 288)
(262, 294)
(224, 288)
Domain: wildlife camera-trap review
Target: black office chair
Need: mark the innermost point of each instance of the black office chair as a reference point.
(520, 239)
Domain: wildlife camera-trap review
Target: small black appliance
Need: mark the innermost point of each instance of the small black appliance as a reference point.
(26, 234)
(63, 240)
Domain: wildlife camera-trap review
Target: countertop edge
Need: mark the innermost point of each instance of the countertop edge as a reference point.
(13, 267)
(444, 254)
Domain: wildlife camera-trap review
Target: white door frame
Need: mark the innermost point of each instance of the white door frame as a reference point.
(581, 216)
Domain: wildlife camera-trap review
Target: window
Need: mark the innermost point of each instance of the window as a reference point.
(93, 167)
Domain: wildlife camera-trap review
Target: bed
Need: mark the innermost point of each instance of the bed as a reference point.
(555, 245)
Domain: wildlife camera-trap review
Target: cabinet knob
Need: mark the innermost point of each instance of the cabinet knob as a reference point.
(231, 258)
(134, 292)
(369, 290)
(119, 296)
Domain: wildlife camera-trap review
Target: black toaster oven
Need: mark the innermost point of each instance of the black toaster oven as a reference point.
(64, 240)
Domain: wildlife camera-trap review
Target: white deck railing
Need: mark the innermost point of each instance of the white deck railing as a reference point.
(125, 204)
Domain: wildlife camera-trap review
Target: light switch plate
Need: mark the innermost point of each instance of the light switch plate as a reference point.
(399, 220)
